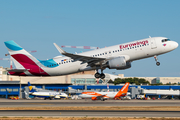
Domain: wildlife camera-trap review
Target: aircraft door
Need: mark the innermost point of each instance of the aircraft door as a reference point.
(153, 44)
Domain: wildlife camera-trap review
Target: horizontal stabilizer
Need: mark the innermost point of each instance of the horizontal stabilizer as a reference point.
(17, 70)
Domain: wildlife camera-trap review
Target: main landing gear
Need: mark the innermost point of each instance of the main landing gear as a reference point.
(98, 75)
(157, 63)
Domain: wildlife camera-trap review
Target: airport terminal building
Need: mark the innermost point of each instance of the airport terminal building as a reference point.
(76, 83)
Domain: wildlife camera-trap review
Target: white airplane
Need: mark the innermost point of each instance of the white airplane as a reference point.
(105, 95)
(45, 93)
(114, 57)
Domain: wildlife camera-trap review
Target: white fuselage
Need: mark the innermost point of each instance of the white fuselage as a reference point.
(135, 50)
(95, 94)
(49, 94)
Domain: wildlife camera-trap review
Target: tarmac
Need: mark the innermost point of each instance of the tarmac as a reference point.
(87, 113)
(88, 102)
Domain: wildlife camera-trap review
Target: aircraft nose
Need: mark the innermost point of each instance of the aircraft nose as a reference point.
(175, 44)
(80, 95)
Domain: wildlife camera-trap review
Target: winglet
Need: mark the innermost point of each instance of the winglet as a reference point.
(59, 49)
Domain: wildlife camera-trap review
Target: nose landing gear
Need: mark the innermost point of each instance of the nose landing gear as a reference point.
(157, 63)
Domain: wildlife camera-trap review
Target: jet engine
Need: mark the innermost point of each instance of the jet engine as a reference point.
(118, 63)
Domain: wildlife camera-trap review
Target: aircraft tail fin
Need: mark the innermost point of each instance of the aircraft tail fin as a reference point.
(23, 59)
(30, 88)
(123, 90)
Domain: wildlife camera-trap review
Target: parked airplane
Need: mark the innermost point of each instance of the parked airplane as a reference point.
(105, 95)
(45, 93)
(115, 57)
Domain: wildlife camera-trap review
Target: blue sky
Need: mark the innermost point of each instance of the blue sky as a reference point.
(36, 25)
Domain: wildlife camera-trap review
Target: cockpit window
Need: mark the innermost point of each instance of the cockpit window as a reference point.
(165, 40)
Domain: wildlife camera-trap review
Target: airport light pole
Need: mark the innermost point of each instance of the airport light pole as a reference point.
(20, 96)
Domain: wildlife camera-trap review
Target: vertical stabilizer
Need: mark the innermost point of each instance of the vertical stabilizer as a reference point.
(123, 90)
(31, 88)
(24, 60)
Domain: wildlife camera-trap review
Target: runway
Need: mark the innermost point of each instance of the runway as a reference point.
(59, 103)
(87, 113)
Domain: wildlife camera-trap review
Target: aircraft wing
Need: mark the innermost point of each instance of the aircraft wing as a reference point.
(89, 60)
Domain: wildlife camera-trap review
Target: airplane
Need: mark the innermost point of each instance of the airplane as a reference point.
(45, 93)
(106, 95)
(117, 57)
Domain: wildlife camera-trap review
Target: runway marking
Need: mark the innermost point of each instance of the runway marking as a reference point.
(39, 104)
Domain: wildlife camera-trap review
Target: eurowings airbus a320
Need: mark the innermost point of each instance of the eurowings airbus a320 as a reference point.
(114, 57)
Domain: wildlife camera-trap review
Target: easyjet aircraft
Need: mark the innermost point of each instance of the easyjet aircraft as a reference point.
(105, 95)
(115, 57)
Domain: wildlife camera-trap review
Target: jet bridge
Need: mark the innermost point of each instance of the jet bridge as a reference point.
(161, 92)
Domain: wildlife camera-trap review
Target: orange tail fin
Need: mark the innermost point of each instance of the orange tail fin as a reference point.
(123, 90)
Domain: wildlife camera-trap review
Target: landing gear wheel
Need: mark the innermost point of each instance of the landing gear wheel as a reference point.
(157, 63)
(97, 75)
(102, 76)
(102, 99)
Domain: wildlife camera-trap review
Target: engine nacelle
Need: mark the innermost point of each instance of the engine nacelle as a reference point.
(94, 98)
(119, 63)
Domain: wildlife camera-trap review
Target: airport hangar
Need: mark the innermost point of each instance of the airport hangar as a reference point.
(76, 83)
